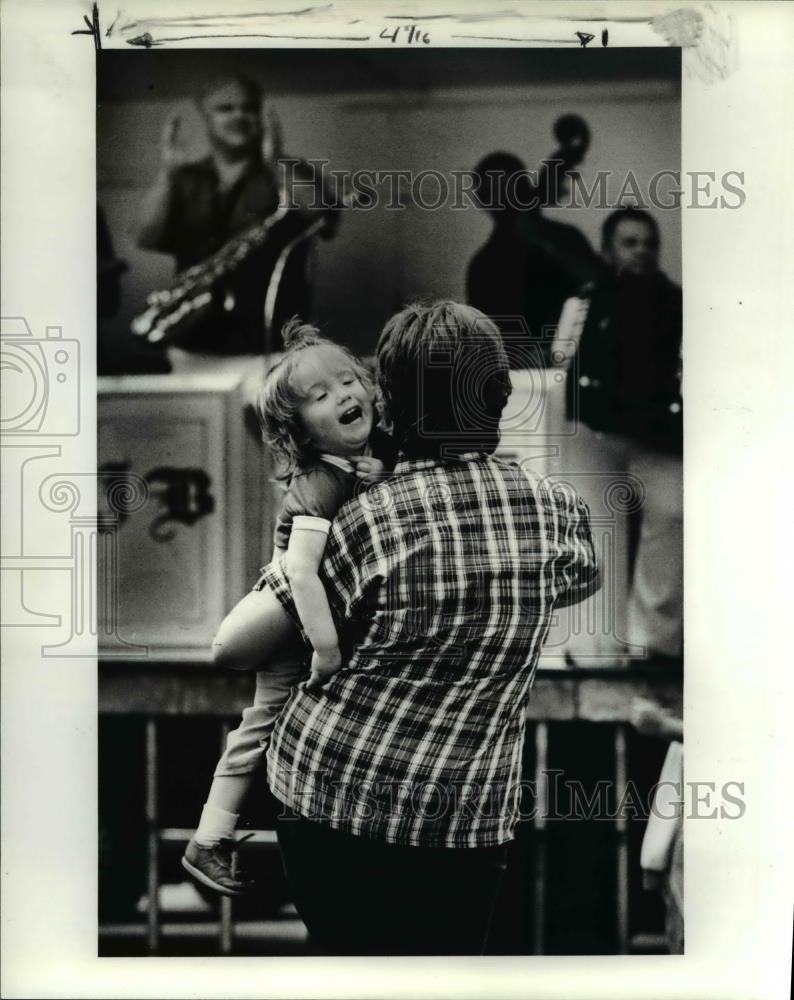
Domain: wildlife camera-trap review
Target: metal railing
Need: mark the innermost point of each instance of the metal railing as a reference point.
(559, 696)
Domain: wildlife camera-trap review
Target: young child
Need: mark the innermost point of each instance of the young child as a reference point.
(317, 413)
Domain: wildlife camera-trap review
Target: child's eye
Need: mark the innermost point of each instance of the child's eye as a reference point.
(320, 397)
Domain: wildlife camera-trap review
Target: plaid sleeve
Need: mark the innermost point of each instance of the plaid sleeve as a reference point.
(576, 573)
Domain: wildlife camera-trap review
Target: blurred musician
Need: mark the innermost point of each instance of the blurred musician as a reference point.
(626, 395)
(530, 264)
(195, 208)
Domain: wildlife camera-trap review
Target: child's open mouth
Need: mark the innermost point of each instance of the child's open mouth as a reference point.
(351, 415)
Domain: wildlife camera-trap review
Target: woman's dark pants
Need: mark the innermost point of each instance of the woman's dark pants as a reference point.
(365, 897)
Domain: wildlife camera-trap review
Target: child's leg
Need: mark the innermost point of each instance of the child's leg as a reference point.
(253, 631)
(207, 858)
(245, 748)
(222, 809)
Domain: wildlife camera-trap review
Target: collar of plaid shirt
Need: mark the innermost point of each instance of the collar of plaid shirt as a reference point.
(443, 580)
(419, 464)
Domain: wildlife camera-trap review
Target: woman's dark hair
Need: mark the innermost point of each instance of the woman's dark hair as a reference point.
(444, 379)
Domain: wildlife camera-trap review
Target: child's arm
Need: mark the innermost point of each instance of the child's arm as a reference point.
(304, 555)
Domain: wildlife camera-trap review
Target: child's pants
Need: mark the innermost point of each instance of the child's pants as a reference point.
(246, 745)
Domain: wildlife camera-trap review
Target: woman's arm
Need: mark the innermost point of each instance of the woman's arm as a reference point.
(304, 555)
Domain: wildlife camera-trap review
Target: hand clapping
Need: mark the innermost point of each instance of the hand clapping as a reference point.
(172, 148)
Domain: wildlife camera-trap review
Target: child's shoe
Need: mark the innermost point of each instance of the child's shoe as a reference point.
(216, 867)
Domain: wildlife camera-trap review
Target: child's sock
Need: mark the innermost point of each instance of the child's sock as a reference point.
(215, 825)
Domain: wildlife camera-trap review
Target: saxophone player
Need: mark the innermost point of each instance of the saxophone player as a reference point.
(194, 208)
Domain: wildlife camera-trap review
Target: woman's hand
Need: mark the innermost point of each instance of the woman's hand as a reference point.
(325, 664)
(367, 467)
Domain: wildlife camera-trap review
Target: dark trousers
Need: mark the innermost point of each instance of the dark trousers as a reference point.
(365, 897)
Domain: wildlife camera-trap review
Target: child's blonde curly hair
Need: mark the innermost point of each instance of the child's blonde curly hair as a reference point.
(279, 400)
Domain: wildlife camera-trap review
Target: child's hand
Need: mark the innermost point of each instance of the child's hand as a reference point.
(324, 666)
(367, 467)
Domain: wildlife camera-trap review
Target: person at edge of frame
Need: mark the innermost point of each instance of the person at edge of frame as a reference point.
(625, 329)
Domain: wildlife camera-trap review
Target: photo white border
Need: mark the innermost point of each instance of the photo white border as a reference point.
(738, 309)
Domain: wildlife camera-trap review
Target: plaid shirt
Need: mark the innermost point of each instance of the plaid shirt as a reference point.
(443, 580)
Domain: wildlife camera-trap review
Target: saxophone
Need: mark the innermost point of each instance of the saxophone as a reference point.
(171, 309)
(195, 288)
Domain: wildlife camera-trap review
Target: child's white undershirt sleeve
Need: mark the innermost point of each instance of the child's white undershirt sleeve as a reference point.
(307, 522)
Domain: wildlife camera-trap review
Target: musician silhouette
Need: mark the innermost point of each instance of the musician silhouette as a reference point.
(194, 209)
(529, 265)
